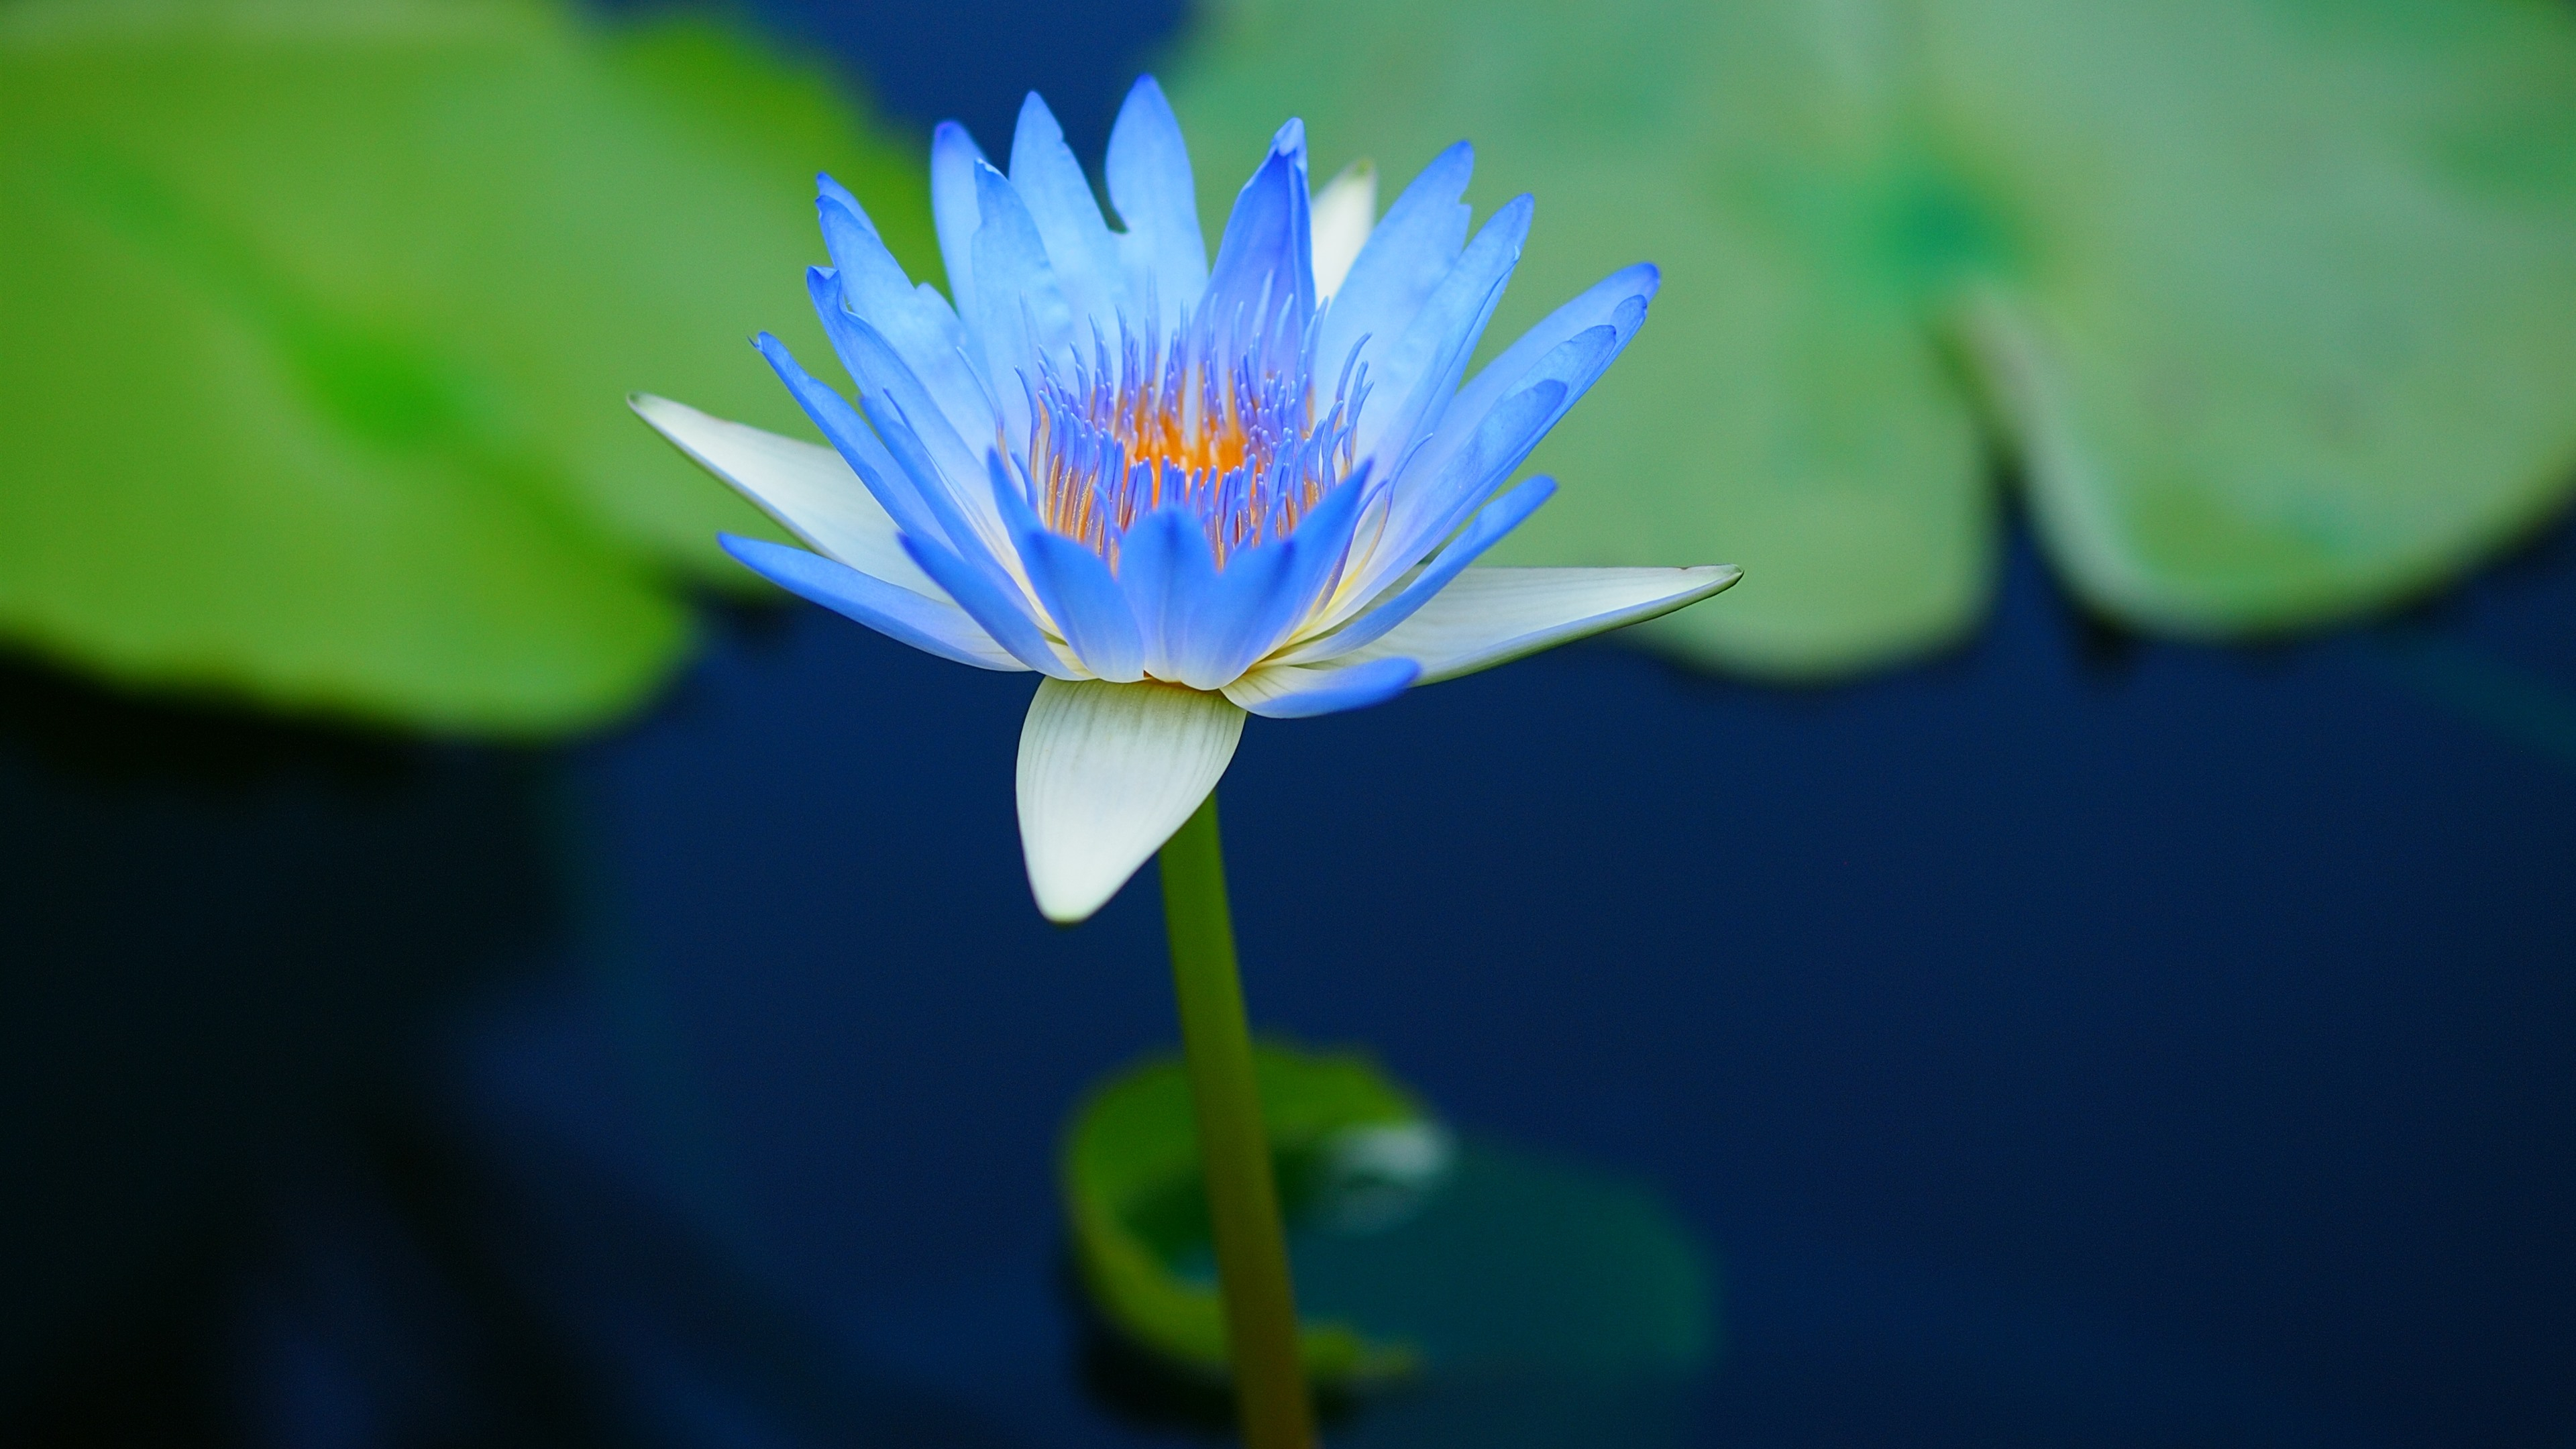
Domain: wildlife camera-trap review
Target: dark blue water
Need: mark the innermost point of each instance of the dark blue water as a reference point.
(2070, 1023)
(2174, 1039)
(2070, 1041)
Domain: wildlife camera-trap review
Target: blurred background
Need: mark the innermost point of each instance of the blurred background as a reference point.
(2078, 940)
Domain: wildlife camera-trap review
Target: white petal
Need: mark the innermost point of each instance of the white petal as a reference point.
(1490, 616)
(1303, 691)
(1107, 773)
(805, 486)
(1343, 214)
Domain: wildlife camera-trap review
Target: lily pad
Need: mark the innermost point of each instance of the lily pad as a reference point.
(1132, 1196)
(321, 318)
(1469, 1274)
(2273, 302)
(1550, 1303)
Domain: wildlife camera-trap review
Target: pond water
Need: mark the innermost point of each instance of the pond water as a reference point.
(2061, 1042)
(2071, 1040)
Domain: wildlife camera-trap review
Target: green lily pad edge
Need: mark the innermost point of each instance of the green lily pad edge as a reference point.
(321, 319)
(1130, 1180)
(2268, 307)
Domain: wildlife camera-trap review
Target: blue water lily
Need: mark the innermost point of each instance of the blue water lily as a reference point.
(1178, 490)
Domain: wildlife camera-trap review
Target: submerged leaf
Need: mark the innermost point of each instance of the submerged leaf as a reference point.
(2274, 302)
(1477, 1272)
(1131, 1190)
(321, 319)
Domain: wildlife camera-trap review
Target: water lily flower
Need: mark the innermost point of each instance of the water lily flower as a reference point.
(1179, 490)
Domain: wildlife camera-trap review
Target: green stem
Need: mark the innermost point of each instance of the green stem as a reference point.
(1243, 1205)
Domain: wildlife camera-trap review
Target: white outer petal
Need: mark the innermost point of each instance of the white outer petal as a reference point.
(1305, 691)
(805, 486)
(1107, 773)
(1343, 215)
(1265, 682)
(1490, 616)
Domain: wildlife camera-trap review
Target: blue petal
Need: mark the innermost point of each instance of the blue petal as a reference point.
(1500, 517)
(1074, 584)
(1323, 540)
(1422, 366)
(1084, 597)
(1617, 301)
(953, 159)
(851, 437)
(879, 368)
(1407, 254)
(1021, 313)
(1265, 592)
(1051, 185)
(934, 626)
(1150, 184)
(1265, 257)
(1442, 488)
(1238, 618)
(916, 322)
(973, 531)
(1356, 686)
(998, 611)
(830, 190)
(1166, 571)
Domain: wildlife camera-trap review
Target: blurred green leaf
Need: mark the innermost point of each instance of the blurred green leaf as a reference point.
(1551, 1303)
(1521, 1298)
(320, 319)
(1132, 1192)
(2273, 300)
